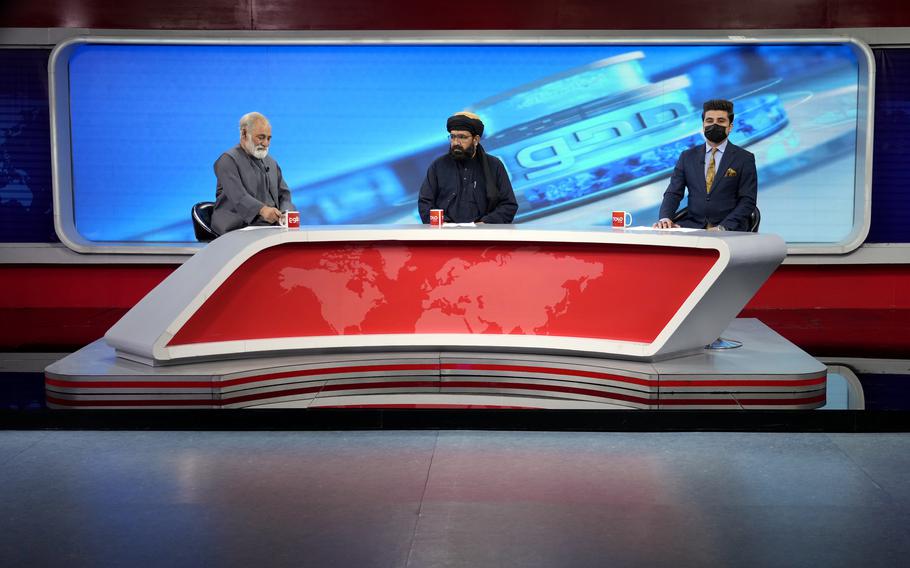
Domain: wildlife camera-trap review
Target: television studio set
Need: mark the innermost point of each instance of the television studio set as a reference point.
(404, 284)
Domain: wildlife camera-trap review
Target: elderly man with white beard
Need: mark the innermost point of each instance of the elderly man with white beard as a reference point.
(251, 189)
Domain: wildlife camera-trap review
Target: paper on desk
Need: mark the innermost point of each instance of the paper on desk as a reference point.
(444, 225)
(254, 227)
(677, 229)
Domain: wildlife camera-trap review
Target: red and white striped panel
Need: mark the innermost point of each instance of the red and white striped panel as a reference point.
(431, 380)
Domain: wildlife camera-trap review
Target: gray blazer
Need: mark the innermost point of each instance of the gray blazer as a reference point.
(245, 184)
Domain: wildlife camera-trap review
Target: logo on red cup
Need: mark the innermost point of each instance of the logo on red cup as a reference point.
(290, 220)
(622, 219)
(436, 217)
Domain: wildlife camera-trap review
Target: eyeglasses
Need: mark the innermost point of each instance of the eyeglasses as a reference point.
(461, 137)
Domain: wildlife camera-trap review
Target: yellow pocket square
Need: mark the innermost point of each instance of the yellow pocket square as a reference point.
(730, 173)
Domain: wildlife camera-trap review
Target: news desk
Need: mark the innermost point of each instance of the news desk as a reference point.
(389, 310)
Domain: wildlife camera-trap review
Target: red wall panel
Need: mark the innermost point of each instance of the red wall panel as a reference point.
(77, 286)
(875, 287)
(694, 14)
(838, 311)
(875, 13)
(423, 15)
(60, 308)
(404, 15)
(129, 14)
(848, 310)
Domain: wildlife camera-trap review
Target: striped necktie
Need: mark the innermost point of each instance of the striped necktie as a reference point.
(709, 177)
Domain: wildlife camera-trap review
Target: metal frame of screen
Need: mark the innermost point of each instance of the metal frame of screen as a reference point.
(61, 150)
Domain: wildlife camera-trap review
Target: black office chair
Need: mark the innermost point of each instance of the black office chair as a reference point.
(754, 219)
(202, 221)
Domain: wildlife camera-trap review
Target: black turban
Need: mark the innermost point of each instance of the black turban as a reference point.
(462, 122)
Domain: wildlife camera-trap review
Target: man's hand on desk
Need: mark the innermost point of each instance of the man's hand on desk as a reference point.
(665, 224)
(270, 214)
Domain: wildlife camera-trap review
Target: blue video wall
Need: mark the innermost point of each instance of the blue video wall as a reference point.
(582, 129)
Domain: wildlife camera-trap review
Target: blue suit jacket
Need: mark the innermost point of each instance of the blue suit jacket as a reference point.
(732, 196)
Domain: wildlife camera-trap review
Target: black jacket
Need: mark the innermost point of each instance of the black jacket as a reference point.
(461, 191)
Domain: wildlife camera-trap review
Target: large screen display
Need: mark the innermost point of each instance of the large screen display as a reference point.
(583, 129)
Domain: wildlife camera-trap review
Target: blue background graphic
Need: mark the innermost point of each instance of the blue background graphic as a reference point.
(355, 127)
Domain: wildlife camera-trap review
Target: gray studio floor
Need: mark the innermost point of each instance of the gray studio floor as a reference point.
(453, 498)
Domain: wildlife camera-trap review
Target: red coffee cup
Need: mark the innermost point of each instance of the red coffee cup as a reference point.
(622, 219)
(291, 220)
(436, 217)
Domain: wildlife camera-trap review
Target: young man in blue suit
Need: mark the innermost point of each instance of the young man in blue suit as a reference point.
(719, 175)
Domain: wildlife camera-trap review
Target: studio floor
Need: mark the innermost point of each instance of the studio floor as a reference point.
(453, 498)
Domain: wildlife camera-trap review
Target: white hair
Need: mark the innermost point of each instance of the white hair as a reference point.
(249, 119)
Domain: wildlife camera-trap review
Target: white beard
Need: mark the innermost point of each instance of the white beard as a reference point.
(258, 152)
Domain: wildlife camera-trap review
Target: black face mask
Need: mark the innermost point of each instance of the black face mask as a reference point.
(715, 133)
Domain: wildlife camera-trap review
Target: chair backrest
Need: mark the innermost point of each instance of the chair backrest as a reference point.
(754, 220)
(202, 221)
(680, 215)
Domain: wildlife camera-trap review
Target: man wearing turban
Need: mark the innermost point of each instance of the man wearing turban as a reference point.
(467, 183)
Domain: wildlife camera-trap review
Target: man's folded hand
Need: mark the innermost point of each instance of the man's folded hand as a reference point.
(665, 224)
(270, 214)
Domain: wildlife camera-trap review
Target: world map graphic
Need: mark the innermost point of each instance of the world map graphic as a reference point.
(332, 289)
(455, 297)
